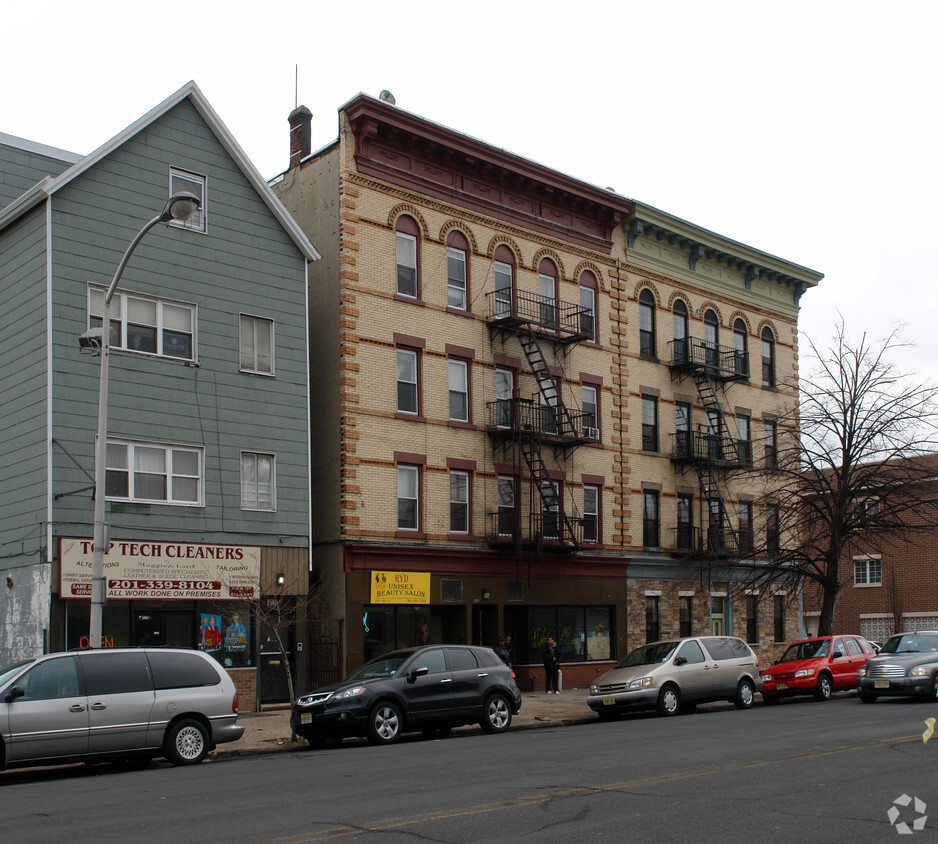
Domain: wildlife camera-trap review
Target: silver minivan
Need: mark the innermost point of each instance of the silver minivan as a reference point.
(133, 703)
(678, 674)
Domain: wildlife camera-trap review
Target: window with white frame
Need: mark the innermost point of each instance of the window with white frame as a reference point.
(153, 473)
(181, 181)
(406, 264)
(587, 311)
(408, 498)
(506, 505)
(459, 390)
(867, 571)
(257, 481)
(257, 345)
(146, 325)
(458, 501)
(590, 399)
(456, 277)
(590, 513)
(407, 381)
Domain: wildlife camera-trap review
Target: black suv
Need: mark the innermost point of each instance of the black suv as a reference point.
(906, 665)
(431, 689)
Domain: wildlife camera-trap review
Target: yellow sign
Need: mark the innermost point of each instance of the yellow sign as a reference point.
(400, 587)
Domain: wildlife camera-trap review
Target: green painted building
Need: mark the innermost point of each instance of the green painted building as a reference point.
(208, 416)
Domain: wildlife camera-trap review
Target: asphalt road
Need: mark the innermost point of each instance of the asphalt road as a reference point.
(798, 771)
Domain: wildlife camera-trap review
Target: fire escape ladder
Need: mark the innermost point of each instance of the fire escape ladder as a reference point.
(553, 402)
(553, 503)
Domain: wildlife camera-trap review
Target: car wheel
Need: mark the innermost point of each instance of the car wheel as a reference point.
(824, 688)
(669, 701)
(745, 694)
(497, 716)
(385, 723)
(436, 732)
(186, 743)
(866, 697)
(769, 700)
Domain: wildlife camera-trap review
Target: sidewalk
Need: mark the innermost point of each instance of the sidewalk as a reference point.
(269, 731)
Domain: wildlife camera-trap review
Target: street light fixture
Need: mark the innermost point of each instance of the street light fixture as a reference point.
(180, 207)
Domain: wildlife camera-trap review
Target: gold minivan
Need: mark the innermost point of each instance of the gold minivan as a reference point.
(677, 674)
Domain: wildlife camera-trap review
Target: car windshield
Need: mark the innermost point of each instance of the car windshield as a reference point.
(649, 654)
(911, 643)
(807, 650)
(8, 671)
(383, 666)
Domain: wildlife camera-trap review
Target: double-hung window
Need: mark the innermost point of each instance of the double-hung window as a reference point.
(407, 249)
(744, 439)
(257, 481)
(181, 181)
(459, 390)
(768, 358)
(407, 381)
(146, 325)
(153, 473)
(458, 501)
(408, 498)
(649, 423)
(590, 399)
(588, 305)
(456, 278)
(867, 571)
(257, 345)
(646, 323)
(685, 521)
(650, 532)
(506, 505)
(770, 438)
(590, 513)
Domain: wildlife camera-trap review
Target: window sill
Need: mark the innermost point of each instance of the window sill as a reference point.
(463, 537)
(410, 534)
(649, 357)
(866, 585)
(400, 297)
(592, 344)
(455, 423)
(410, 417)
(460, 312)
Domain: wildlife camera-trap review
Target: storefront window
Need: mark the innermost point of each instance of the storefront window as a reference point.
(583, 633)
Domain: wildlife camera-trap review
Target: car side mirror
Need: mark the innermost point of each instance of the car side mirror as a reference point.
(14, 693)
(418, 672)
(836, 655)
(680, 660)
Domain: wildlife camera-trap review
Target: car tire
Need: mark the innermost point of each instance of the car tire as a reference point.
(496, 715)
(186, 743)
(866, 697)
(436, 732)
(824, 688)
(385, 723)
(769, 700)
(669, 700)
(745, 694)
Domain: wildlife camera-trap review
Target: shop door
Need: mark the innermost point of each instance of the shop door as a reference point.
(273, 673)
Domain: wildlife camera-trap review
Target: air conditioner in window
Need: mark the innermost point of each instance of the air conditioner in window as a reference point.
(591, 433)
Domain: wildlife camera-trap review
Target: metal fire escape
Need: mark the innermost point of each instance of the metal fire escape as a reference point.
(527, 427)
(711, 449)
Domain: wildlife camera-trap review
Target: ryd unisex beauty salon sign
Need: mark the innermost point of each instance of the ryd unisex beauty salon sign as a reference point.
(400, 587)
(173, 571)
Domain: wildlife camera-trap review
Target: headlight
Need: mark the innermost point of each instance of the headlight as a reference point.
(642, 683)
(355, 691)
(594, 689)
(861, 672)
(805, 672)
(767, 678)
(923, 670)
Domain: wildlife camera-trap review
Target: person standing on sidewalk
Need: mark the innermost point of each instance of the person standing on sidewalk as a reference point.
(501, 651)
(550, 653)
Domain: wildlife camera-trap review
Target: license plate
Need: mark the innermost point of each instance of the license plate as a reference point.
(306, 717)
(781, 686)
(880, 684)
(609, 700)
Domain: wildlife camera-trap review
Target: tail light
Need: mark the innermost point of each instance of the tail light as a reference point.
(513, 676)
(234, 703)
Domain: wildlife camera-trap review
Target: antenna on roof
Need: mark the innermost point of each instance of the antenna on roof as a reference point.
(387, 97)
(296, 87)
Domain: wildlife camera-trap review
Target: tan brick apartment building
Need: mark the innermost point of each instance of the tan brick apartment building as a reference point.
(533, 410)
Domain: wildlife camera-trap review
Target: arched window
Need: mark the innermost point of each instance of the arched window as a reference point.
(679, 319)
(741, 354)
(711, 337)
(547, 294)
(588, 318)
(408, 257)
(646, 324)
(768, 357)
(504, 281)
(457, 271)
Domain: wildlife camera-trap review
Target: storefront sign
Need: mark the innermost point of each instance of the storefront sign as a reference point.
(167, 571)
(400, 587)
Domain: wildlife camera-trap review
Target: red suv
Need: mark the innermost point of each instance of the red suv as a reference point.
(818, 666)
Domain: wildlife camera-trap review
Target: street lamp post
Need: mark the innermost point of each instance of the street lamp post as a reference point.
(180, 206)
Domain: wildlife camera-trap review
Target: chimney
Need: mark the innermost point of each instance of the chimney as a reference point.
(300, 120)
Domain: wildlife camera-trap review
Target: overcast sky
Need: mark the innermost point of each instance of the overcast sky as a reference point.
(804, 129)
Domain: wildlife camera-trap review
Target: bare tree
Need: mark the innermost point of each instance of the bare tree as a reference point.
(852, 464)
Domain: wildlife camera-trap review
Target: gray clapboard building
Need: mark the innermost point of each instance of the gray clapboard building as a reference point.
(208, 416)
